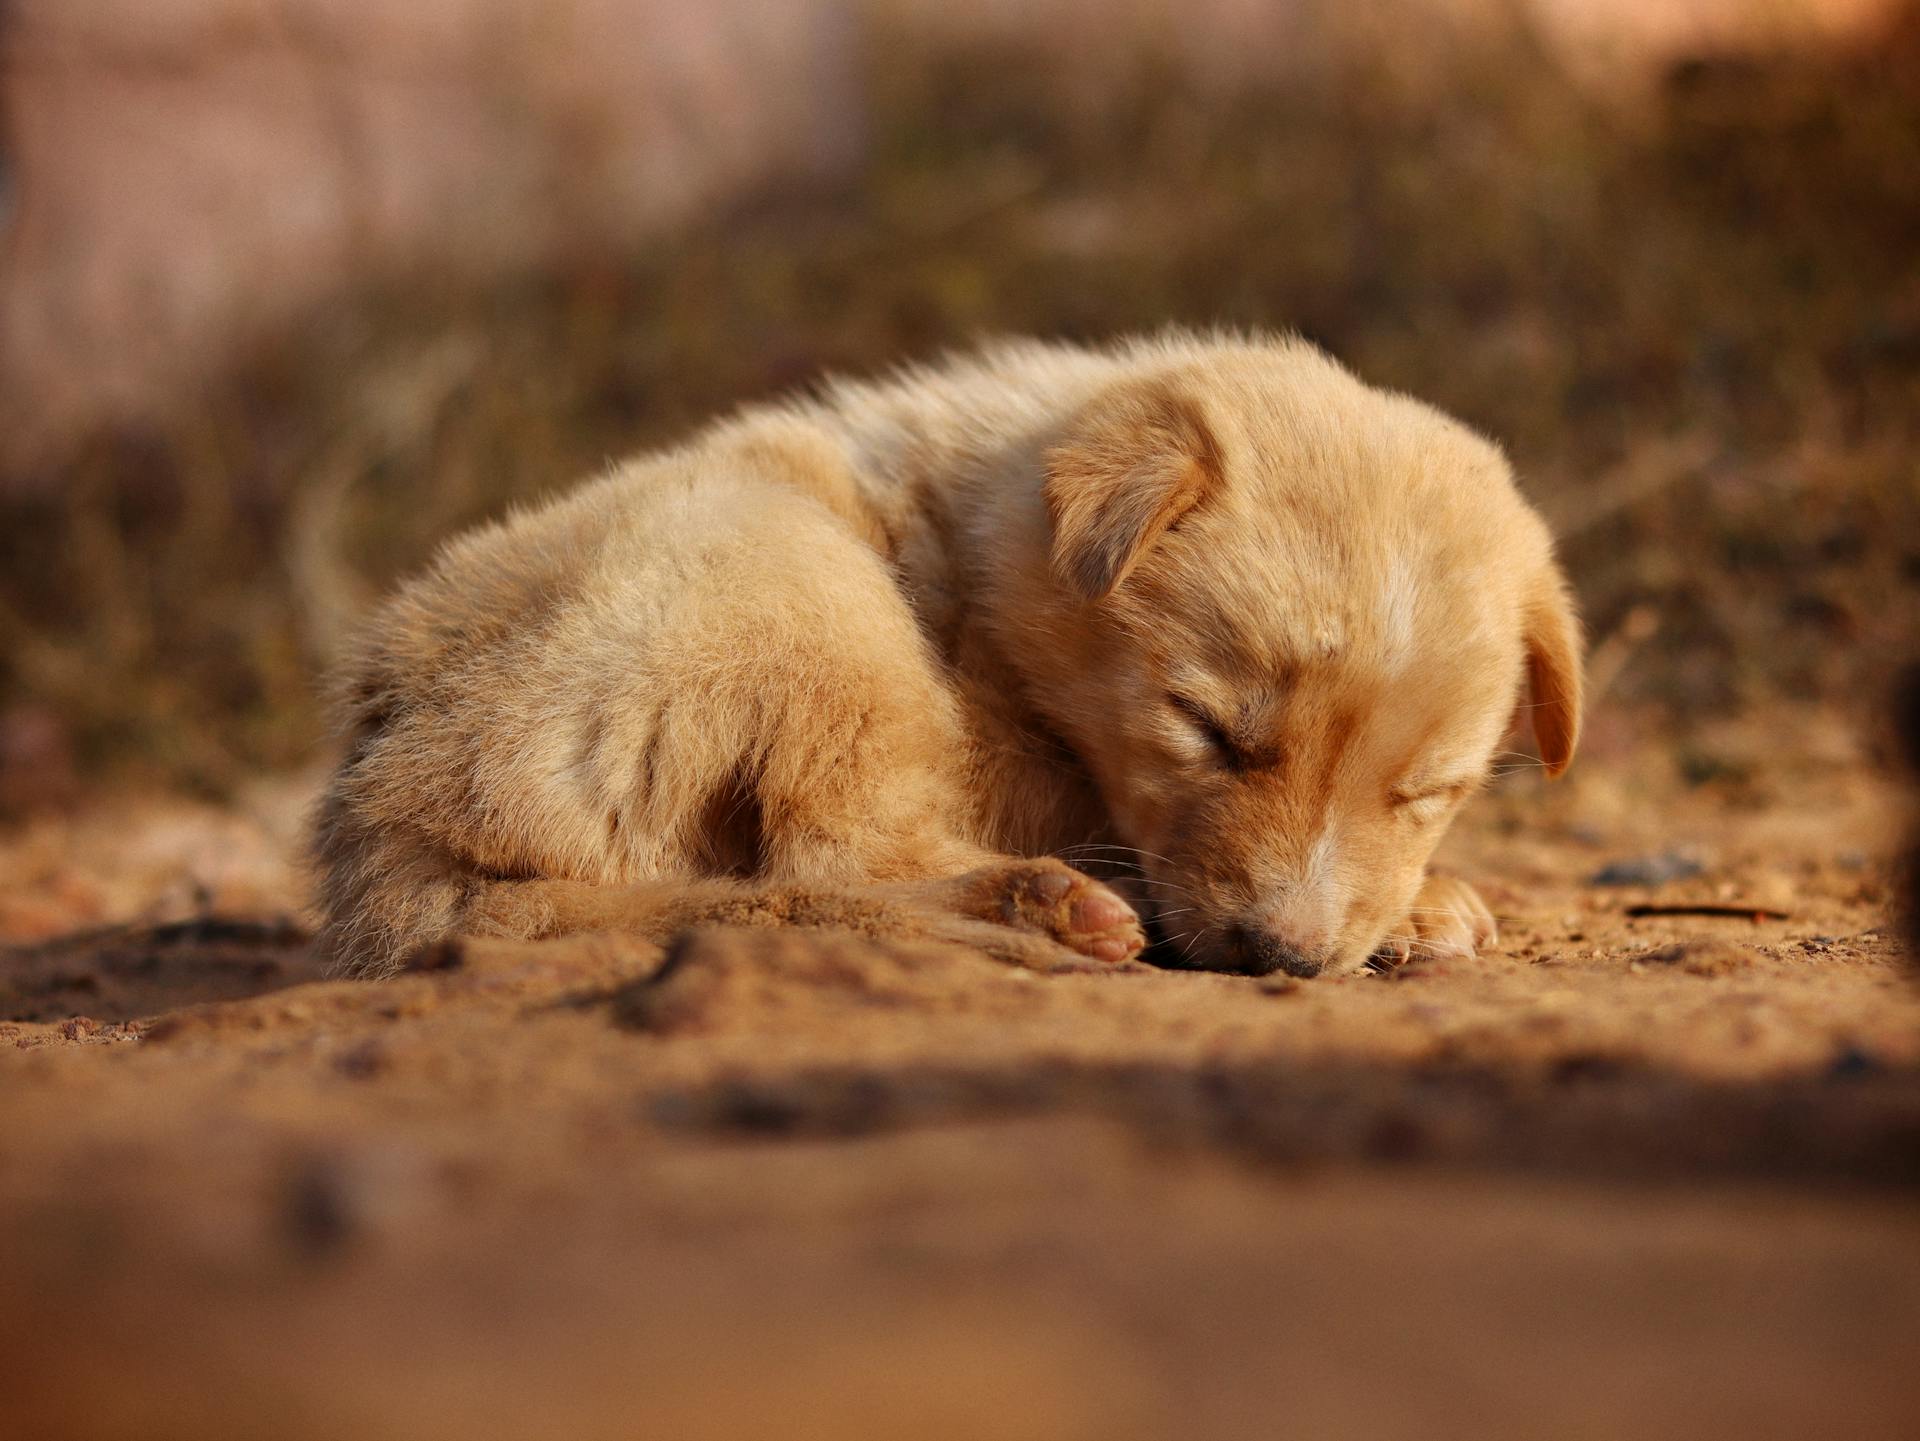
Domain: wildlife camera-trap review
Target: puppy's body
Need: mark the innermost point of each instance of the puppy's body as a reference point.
(1209, 600)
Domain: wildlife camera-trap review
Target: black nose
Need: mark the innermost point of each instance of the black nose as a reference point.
(1254, 952)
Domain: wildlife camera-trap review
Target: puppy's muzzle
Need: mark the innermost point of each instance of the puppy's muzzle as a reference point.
(1250, 951)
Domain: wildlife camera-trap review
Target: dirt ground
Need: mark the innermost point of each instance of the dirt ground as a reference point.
(1629, 1175)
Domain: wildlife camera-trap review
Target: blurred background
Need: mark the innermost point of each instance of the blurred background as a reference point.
(290, 289)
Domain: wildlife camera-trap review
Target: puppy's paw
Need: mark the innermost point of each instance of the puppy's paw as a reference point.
(1449, 920)
(1048, 899)
(1041, 914)
(1071, 908)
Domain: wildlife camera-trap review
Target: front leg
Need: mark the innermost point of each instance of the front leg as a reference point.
(1025, 903)
(1448, 919)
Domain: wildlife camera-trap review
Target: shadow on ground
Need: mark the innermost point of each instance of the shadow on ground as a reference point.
(124, 973)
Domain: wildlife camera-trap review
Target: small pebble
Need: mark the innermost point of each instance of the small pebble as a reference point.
(1851, 1062)
(315, 1210)
(1657, 870)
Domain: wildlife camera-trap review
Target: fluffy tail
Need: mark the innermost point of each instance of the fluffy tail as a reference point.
(382, 896)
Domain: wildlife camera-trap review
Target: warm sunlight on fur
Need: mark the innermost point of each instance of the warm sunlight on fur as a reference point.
(1204, 610)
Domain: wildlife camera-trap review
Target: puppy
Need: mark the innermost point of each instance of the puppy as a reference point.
(1203, 607)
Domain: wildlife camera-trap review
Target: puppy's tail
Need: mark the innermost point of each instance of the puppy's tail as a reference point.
(383, 898)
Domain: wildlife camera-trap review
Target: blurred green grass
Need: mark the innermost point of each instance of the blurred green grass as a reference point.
(1695, 324)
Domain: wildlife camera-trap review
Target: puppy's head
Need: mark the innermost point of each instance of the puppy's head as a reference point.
(1291, 619)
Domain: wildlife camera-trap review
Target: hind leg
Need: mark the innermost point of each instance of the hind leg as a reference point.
(730, 692)
(696, 676)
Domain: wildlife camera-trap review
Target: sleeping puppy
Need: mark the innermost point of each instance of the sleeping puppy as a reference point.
(1204, 610)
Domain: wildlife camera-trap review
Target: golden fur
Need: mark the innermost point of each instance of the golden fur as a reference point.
(1207, 607)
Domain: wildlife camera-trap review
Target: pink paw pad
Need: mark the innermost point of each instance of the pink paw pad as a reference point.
(1076, 911)
(1099, 909)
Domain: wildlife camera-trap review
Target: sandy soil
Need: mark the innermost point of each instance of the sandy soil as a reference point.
(1637, 1175)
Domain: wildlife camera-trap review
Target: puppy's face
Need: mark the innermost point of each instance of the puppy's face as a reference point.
(1299, 617)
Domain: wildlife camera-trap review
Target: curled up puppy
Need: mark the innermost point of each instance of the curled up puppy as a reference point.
(1206, 606)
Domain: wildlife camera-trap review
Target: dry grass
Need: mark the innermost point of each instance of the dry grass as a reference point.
(1697, 329)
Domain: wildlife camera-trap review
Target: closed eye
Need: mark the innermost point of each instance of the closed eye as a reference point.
(1423, 801)
(1231, 754)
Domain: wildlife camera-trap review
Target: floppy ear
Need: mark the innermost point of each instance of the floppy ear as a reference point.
(1553, 669)
(1137, 459)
